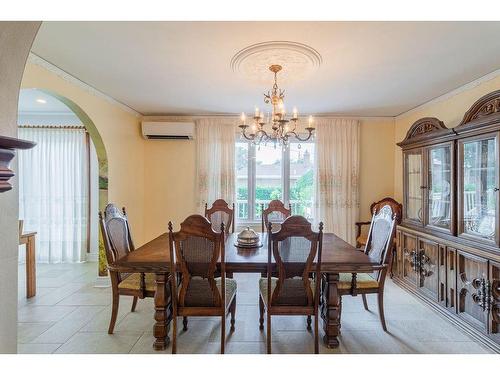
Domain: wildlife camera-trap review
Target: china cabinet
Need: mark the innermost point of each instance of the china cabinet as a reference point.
(448, 244)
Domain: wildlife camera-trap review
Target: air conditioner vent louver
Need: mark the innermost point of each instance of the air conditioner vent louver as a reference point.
(164, 130)
(167, 137)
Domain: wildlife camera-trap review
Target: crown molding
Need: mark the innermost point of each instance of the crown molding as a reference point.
(468, 86)
(40, 61)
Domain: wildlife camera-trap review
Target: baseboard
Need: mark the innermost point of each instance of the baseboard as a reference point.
(457, 322)
(102, 282)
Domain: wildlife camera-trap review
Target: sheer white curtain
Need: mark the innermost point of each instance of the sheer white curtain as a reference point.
(53, 193)
(337, 173)
(215, 169)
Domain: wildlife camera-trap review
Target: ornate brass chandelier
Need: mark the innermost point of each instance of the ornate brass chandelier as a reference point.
(282, 130)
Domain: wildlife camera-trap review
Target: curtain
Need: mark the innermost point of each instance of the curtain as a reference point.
(215, 172)
(337, 175)
(53, 193)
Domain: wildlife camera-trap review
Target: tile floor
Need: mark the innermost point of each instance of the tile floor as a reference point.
(70, 315)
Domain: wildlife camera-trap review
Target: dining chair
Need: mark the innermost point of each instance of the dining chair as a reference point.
(117, 240)
(397, 207)
(295, 248)
(275, 212)
(195, 251)
(379, 249)
(220, 213)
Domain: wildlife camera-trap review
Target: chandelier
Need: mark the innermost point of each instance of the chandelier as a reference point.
(281, 129)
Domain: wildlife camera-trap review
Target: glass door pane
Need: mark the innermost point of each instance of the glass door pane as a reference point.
(439, 187)
(479, 202)
(413, 170)
(268, 176)
(302, 179)
(242, 202)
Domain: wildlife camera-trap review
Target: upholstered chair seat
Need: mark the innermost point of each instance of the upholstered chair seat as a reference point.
(294, 291)
(199, 294)
(363, 281)
(133, 281)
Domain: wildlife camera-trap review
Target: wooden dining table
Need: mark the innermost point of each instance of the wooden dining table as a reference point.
(337, 257)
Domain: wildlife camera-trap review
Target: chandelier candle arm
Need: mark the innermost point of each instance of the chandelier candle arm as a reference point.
(282, 129)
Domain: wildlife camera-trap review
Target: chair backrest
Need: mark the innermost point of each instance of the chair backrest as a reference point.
(397, 208)
(115, 232)
(381, 234)
(275, 213)
(220, 213)
(194, 252)
(294, 248)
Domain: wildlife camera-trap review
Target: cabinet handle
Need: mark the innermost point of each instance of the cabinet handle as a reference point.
(496, 189)
(423, 187)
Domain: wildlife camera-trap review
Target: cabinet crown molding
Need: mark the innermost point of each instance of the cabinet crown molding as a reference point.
(482, 111)
(424, 128)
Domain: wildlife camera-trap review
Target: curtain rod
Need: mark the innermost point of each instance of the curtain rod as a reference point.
(70, 127)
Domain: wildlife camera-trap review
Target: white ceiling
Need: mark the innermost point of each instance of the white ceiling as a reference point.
(368, 68)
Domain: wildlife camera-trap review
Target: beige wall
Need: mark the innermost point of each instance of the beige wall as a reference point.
(170, 175)
(120, 132)
(15, 43)
(450, 109)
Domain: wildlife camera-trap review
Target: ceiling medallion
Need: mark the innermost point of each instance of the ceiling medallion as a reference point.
(281, 129)
(298, 60)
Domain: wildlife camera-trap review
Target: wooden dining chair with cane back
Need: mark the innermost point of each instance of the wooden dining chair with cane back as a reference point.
(276, 213)
(219, 213)
(296, 249)
(379, 249)
(195, 251)
(118, 243)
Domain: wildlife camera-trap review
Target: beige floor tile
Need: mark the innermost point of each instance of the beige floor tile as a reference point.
(62, 331)
(447, 347)
(90, 342)
(37, 348)
(33, 314)
(86, 299)
(26, 332)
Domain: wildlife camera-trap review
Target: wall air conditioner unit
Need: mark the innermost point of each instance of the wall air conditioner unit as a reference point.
(167, 130)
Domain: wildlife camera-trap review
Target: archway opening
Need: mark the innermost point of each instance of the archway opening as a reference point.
(42, 108)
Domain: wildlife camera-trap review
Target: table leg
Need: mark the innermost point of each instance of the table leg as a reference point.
(30, 267)
(331, 309)
(162, 312)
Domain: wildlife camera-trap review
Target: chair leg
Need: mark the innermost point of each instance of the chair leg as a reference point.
(114, 311)
(365, 302)
(134, 303)
(184, 323)
(222, 333)
(261, 310)
(268, 333)
(309, 322)
(232, 308)
(174, 335)
(380, 298)
(316, 334)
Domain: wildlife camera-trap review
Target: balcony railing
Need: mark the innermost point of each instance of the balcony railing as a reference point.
(303, 208)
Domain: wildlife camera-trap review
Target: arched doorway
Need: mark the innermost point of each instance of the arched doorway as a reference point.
(102, 160)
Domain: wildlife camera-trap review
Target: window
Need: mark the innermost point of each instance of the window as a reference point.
(264, 173)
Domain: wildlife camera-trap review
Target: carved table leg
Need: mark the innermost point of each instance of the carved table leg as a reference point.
(30, 267)
(162, 325)
(331, 309)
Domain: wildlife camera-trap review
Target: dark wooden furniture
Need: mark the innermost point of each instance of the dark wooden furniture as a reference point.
(397, 208)
(448, 249)
(195, 251)
(220, 213)
(379, 248)
(276, 212)
(8, 148)
(337, 256)
(118, 243)
(28, 239)
(292, 251)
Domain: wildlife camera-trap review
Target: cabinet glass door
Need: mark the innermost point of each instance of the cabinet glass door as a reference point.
(439, 187)
(479, 187)
(413, 186)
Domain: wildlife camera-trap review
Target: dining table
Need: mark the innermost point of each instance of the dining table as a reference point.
(338, 257)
